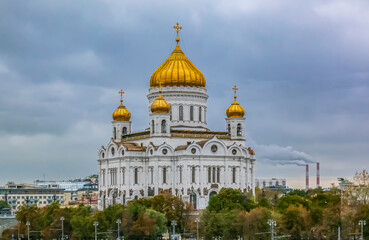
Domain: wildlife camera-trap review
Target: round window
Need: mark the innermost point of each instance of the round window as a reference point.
(151, 151)
(193, 150)
(122, 152)
(112, 151)
(214, 148)
(234, 151)
(165, 151)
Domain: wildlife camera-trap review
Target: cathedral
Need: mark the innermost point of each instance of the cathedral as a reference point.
(177, 153)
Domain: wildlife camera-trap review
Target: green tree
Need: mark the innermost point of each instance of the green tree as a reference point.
(230, 199)
(81, 223)
(4, 204)
(252, 222)
(292, 200)
(296, 222)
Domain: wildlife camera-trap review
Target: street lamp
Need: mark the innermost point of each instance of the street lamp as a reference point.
(118, 225)
(272, 224)
(62, 220)
(174, 224)
(197, 228)
(96, 224)
(362, 223)
(28, 224)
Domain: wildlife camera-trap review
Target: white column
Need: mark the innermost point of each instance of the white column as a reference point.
(247, 173)
(252, 179)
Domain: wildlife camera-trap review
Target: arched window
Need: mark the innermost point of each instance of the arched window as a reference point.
(212, 194)
(234, 175)
(153, 126)
(200, 111)
(170, 113)
(115, 133)
(239, 130)
(229, 129)
(124, 131)
(193, 175)
(191, 113)
(214, 175)
(180, 110)
(163, 126)
(209, 175)
(164, 175)
(180, 175)
(193, 199)
(218, 175)
(136, 175)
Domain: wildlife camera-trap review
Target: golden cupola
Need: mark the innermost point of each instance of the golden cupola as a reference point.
(177, 70)
(121, 113)
(235, 110)
(160, 105)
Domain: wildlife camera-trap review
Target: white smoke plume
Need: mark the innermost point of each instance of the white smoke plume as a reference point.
(278, 155)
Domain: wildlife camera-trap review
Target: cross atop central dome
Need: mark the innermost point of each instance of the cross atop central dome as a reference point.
(177, 70)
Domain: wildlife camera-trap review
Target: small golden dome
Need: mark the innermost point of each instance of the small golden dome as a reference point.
(121, 113)
(235, 110)
(177, 70)
(160, 105)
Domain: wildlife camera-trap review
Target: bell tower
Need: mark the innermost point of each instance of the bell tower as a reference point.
(160, 117)
(121, 124)
(235, 119)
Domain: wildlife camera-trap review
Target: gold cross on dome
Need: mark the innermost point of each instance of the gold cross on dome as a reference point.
(235, 91)
(177, 29)
(121, 95)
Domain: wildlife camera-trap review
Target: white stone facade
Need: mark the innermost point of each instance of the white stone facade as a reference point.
(179, 156)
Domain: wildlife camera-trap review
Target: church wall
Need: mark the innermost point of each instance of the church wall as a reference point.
(173, 162)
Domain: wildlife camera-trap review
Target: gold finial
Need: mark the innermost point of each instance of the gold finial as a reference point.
(177, 29)
(121, 95)
(235, 91)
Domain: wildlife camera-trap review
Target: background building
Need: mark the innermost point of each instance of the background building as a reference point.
(19, 194)
(271, 183)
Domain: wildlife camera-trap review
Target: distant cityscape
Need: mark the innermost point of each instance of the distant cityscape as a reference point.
(44, 192)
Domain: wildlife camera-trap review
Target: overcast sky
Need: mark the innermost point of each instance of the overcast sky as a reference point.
(302, 69)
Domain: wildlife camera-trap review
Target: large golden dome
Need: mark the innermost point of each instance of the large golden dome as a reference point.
(121, 113)
(160, 105)
(177, 70)
(235, 110)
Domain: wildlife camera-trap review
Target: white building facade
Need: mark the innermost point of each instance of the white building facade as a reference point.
(177, 154)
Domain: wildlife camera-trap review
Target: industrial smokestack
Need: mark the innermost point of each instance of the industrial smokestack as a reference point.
(307, 177)
(317, 175)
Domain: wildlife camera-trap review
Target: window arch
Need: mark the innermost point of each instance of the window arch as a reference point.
(200, 111)
(136, 175)
(180, 111)
(229, 129)
(153, 126)
(239, 130)
(191, 113)
(163, 126)
(115, 132)
(124, 131)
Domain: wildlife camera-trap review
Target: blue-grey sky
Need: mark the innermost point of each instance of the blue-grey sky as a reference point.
(302, 68)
